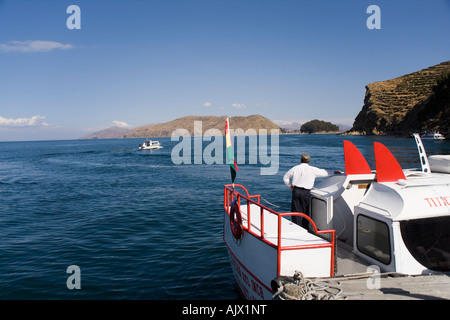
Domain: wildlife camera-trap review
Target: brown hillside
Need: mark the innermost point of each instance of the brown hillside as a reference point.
(110, 133)
(397, 106)
(255, 122)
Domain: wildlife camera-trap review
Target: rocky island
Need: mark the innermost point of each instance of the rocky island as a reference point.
(319, 126)
(416, 102)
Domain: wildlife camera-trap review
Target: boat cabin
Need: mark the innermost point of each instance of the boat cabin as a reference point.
(396, 219)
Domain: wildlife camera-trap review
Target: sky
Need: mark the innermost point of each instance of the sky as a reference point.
(132, 63)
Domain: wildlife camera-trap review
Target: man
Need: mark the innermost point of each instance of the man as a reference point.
(300, 179)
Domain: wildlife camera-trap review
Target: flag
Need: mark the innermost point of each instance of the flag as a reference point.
(230, 152)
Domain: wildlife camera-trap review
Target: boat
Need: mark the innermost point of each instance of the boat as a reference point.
(150, 145)
(433, 136)
(387, 221)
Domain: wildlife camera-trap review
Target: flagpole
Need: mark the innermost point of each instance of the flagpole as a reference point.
(230, 152)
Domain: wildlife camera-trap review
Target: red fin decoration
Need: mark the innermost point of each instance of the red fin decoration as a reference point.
(355, 163)
(388, 168)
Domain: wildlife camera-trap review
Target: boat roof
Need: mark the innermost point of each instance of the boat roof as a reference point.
(409, 200)
(393, 192)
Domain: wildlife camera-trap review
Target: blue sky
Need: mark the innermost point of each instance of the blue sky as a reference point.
(139, 62)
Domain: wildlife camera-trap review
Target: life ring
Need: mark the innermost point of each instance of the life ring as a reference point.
(236, 220)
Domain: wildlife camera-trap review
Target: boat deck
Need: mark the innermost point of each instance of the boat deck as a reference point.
(357, 283)
(349, 263)
(294, 248)
(292, 234)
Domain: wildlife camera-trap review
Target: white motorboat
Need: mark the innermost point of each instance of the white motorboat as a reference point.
(389, 220)
(150, 145)
(433, 136)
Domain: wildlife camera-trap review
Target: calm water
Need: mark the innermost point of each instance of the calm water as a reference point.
(137, 225)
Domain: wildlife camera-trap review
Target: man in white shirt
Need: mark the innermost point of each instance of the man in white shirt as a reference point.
(300, 179)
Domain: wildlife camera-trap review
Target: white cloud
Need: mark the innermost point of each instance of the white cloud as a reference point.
(238, 106)
(121, 124)
(34, 121)
(207, 104)
(260, 104)
(33, 46)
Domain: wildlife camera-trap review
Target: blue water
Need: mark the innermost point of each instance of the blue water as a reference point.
(137, 225)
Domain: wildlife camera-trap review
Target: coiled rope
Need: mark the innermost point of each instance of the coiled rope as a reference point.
(300, 288)
(307, 289)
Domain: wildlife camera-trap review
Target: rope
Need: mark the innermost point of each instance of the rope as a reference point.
(273, 205)
(307, 289)
(301, 288)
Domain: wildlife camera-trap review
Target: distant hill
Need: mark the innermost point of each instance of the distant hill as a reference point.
(110, 133)
(166, 129)
(256, 122)
(288, 125)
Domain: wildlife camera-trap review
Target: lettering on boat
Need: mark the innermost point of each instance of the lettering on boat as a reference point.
(438, 201)
(249, 286)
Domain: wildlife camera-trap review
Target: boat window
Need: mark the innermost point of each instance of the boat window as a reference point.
(319, 213)
(428, 241)
(373, 239)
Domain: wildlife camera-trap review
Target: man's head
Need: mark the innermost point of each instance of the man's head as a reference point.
(305, 158)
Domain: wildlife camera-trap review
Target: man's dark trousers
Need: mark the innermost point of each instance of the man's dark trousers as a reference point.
(300, 203)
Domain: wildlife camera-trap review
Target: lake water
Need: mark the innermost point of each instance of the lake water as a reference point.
(137, 225)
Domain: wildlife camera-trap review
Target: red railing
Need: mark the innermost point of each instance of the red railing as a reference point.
(229, 194)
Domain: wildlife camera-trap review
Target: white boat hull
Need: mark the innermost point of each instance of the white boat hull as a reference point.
(150, 145)
(257, 259)
(249, 285)
(433, 136)
(150, 148)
